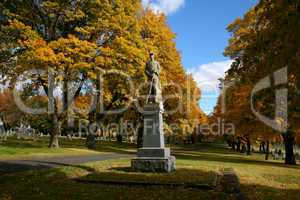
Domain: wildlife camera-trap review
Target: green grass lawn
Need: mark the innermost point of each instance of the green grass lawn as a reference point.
(260, 179)
(13, 148)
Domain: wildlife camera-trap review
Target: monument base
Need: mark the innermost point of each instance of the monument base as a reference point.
(154, 152)
(152, 164)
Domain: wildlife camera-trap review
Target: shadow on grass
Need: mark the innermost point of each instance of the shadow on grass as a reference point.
(110, 174)
(58, 184)
(126, 176)
(23, 166)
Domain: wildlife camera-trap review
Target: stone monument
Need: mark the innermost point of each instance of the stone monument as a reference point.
(153, 156)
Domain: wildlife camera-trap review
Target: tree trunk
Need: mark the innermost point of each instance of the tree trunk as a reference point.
(55, 133)
(233, 144)
(53, 143)
(264, 147)
(99, 84)
(248, 146)
(238, 145)
(194, 138)
(65, 103)
(267, 150)
(229, 143)
(260, 148)
(289, 140)
(94, 115)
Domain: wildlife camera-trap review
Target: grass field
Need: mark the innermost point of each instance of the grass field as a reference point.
(260, 179)
(267, 180)
(21, 149)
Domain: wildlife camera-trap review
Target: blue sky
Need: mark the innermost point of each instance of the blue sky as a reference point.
(200, 26)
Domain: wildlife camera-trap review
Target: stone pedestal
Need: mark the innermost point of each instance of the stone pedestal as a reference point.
(153, 157)
(154, 164)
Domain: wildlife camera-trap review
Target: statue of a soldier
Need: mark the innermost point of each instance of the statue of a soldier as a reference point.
(153, 156)
(152, 71)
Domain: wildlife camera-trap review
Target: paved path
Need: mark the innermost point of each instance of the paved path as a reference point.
(12, 166)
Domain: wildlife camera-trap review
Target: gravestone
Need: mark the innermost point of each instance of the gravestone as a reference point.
(153, 156)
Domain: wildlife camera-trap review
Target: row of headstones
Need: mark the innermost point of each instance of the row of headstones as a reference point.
(27, 134)
(22, 132)
(279, 155)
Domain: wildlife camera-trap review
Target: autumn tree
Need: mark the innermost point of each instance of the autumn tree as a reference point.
(72, 44)
(264, 41)
(70, 39)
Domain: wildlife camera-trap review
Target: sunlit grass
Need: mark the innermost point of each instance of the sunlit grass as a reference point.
(14, 148)
(259, 179)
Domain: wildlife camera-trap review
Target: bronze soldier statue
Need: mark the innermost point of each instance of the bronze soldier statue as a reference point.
(152, 71)
(153, 156)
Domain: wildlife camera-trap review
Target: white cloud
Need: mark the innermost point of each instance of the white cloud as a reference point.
(164, 6)
(207, 75)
